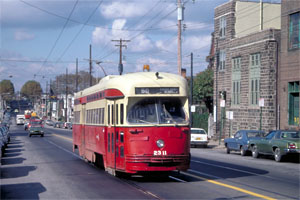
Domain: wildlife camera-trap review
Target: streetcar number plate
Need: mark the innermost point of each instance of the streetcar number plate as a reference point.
(160, 153)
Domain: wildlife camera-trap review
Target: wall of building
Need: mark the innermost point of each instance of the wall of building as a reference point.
(289, 70)
(248, 17)
(245, 115)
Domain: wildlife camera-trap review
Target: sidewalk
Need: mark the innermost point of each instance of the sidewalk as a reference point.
(214, 144)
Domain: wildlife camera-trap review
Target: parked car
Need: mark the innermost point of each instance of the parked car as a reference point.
(68, 125)
(199, 137)
(6, 135)
(58, 124)
(277, 143)
(49, 122)
(2, 142)
(36, 129)
(240, 141)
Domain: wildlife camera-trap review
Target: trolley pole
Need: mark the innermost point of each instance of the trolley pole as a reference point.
(121, 45)
(91, 65)
(179, 42)
(191, 117)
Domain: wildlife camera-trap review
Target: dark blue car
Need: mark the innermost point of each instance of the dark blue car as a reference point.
(240, 141)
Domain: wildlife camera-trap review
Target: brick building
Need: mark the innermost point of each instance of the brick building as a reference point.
(247, 35)
(289, 71)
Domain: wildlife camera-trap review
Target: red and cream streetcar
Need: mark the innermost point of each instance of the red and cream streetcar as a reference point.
(134, 123)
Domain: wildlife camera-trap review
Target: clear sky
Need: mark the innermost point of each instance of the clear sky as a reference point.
(44, 37)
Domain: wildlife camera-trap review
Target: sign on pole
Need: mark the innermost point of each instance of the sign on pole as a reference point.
(222, 103)
(261, 102)
(193, 108)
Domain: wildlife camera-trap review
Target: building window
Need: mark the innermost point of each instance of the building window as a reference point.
(222, 27)
(222, 58)
(236, 92)
(255, 64)
(294, 102)
(254, 91)
(294, 31)
(236, 80)
(236, 64)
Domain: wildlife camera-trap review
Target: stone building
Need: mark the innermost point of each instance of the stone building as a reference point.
(246, 38)
(289, 70)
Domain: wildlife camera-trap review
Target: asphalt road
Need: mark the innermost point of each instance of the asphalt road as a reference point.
(46, 168)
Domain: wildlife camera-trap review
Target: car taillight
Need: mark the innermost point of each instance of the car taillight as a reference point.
(292, 146)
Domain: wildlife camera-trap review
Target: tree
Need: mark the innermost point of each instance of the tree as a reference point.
(203, 88)
(59, 84)
(7, 89)
(31, 89)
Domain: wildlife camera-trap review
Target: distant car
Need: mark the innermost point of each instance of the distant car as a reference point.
(36, 129)
(58, 124)
(240, 141)
(68, 125)
(277, 143)
(20, 119)
(49, 122)
(199, 137)
(34, 122)
(26, 123)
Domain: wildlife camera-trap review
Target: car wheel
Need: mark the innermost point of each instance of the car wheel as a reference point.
(255, 153)
(243, 151)
(42, 135)
(278, 156)
(227, 150)
(29, 135)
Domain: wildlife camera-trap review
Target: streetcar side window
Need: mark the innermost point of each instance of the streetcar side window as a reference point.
(121, 137)
(122, 113)
(112, 115)
(102, 116)
(117, 114)
(108, 114)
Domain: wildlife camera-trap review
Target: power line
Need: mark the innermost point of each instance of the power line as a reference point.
(60, 34)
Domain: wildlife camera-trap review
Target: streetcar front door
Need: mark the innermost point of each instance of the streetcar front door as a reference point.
(111, 136)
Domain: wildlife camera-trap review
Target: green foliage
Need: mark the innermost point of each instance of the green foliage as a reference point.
(200, 120)
(31, 89)
(7, 89)
(203, 88)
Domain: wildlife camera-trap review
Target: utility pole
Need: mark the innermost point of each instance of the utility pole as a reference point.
(46, 99)
(121, 45)
(66, 106)
(180, 18)
(76, 83)
(91, 66)
(191, 117)
(50, 99)
(261, 15)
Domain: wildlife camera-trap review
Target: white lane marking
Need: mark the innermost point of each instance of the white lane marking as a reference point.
(177, 179)
(70, 152)
(238, 170)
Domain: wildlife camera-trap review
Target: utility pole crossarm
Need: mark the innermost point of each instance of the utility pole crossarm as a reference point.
(121, 46)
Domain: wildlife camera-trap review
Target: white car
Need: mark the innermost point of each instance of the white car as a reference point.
(199, 137)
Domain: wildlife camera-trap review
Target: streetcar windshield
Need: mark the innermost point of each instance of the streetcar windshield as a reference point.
(157, 111)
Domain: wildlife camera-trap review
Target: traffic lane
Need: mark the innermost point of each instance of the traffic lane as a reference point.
(61, 131)
(50, 172)
(258, 175)
(171, 188)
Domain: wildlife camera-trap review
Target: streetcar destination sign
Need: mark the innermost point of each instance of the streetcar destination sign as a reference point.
(157, 90)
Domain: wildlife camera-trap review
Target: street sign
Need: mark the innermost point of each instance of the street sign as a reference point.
(261, 102)
(193, 108)
(222, 103)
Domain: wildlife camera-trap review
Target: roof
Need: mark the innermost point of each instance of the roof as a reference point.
(127, 83)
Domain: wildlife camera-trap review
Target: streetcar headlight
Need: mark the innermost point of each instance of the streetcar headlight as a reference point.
(160, 143)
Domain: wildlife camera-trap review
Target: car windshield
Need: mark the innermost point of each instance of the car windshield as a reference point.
(290, 135)
(198, 131)
(35, 122)
(255, 134)
(157, 111)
